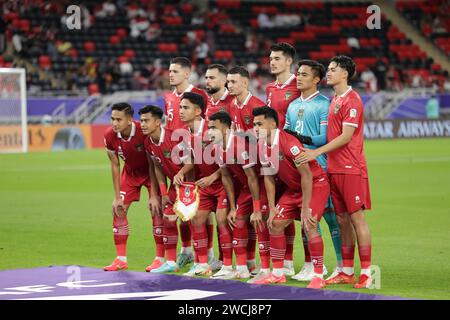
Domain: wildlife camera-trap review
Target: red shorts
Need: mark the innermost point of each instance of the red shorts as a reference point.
(130, 186)
(244, 202)
(350, 193)
(290, 203)
(213, 197)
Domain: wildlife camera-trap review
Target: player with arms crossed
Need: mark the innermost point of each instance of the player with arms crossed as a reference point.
(308, 117)
(306, 194)
(347, 170)
(125, 140)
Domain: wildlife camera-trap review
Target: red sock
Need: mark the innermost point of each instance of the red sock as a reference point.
(264, 246)
(251, 244)
(225, 238)
(170, 239)
(120, 231)
(240, 241)
(348, 255)
(277, 250)
(316, 248)
(305, 247)
(210, 230)
(185, 232)
(365, 255)
(219, 240)
(200, 237)
(158, 234)
(290, 237)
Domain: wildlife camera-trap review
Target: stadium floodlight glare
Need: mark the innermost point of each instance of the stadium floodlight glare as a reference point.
(13, 111)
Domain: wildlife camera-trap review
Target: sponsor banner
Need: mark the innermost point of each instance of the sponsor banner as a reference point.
(98, 131)
(406, 129)
(80, 283)
(46, 138)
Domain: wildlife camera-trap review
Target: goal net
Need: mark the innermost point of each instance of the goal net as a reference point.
(13, 110)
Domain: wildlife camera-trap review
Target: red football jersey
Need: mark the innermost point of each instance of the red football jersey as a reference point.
(282, 163)
(223, 104)
(161, 151)
(346, 109)
(279, 96)
(172, 106)
(241, 115)
(131, 151)
(203, 152)
(236, 157)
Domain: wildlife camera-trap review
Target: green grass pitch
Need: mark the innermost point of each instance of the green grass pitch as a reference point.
(55, 209)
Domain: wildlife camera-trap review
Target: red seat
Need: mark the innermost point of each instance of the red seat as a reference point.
(228, 4)
(45, 62)
(122, 59)
(121, 33)
(223, 54)
(129, 53)
(168, 47)
(114, 39)
(93, 89)
(89, 46)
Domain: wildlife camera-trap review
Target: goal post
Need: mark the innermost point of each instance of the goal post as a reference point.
(13, 110)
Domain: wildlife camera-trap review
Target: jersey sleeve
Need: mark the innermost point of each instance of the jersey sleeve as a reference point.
(244, 157)
(321, 139)
(287, 124)
(352, 113)
(292, 148)
(108, 144)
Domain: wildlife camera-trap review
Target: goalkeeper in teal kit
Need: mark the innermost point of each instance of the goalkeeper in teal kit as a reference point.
(307, 117)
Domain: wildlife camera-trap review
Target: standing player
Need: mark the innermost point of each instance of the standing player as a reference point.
(307, 191)
(212, 194)
(241, 108)
(160, 146)
(244, 102)
(348, 171)
(279, 95)
(244, 188)
(281, 92)
(220, 98)
(308, 117)
(125, 140)
(179, 71)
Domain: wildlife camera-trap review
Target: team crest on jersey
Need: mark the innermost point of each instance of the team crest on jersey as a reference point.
(300, 113)
(336, 108)
(295, 150)
(247, 120)
(352, 113)
(167, 154)
(287, 95)
(139, 147)
(222, 109)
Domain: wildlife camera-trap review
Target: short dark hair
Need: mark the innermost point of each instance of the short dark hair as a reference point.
(223, 117)
(182, 61)
(220, 67)
(123, 106)
(240, 70)
(346, 63)
(154, 110)
(317, 68)
(195, 98)
(267, 112)
(287, 49)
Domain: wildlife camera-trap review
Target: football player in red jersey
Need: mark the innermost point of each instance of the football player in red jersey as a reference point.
(305, 197)
(179, 71)
(161, 147)
(246, 193)
(215, 81)
(213, 197)
(281, 92)
(244, 102)
(124, 139)
(347, 170)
